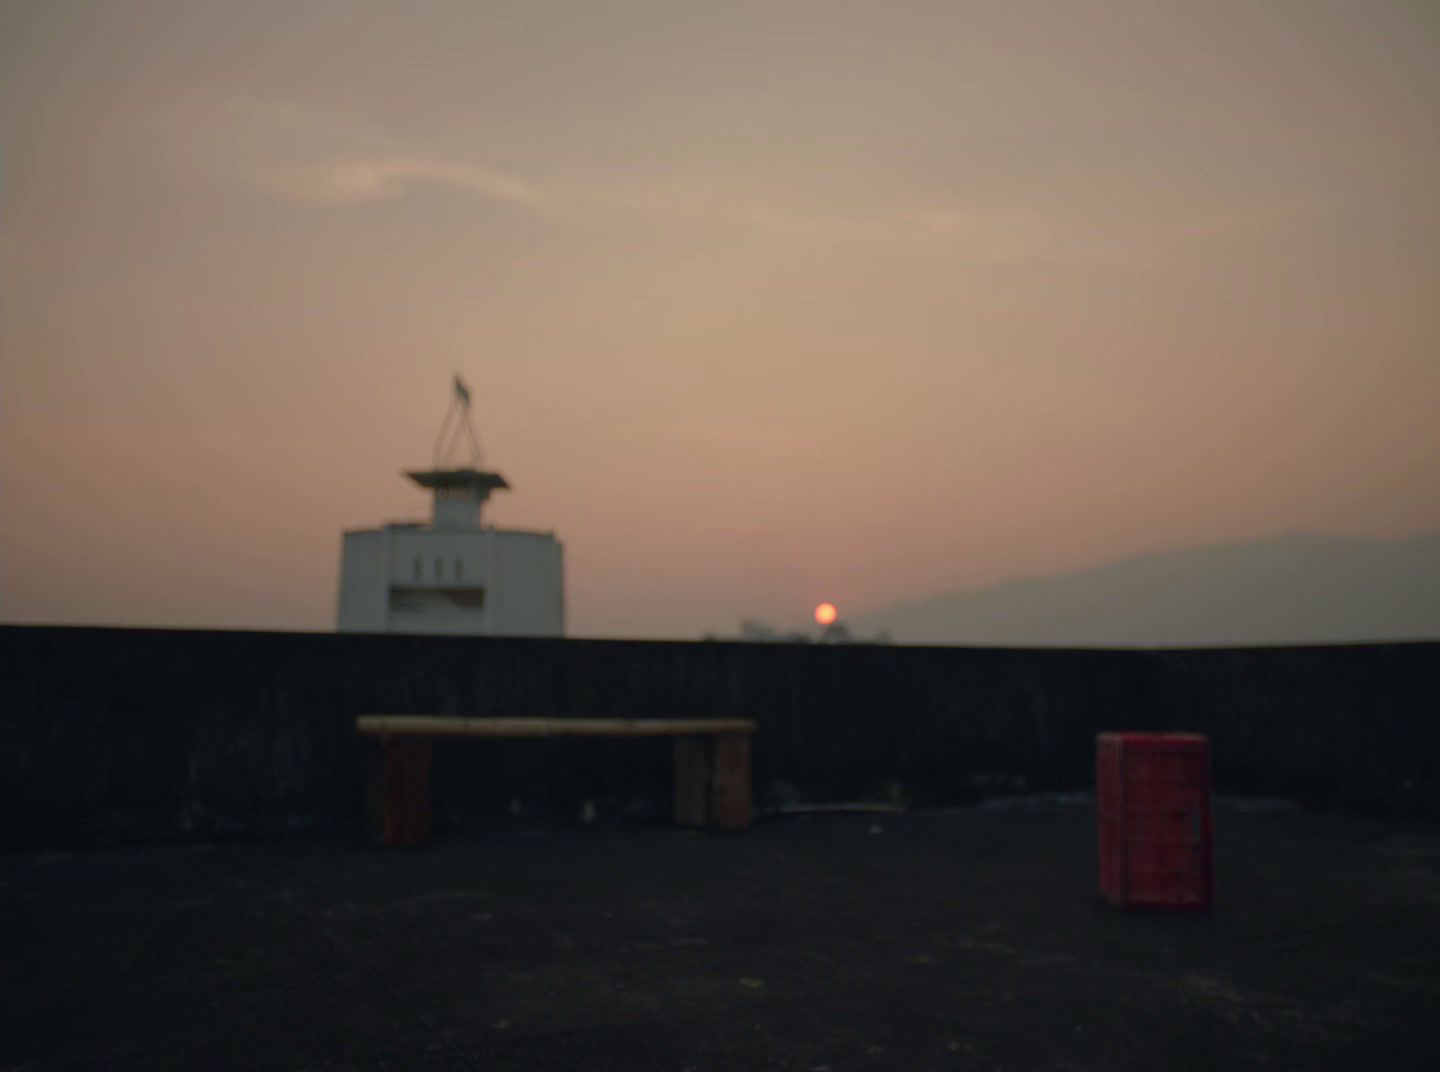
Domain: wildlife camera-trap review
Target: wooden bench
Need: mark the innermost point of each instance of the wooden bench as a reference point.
(712, 764)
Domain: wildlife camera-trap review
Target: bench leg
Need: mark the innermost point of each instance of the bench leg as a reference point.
(400, 792)
(712, 781)
(730, 793)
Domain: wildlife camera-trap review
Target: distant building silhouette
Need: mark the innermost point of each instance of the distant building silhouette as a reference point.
(753, 632)
(759, 633)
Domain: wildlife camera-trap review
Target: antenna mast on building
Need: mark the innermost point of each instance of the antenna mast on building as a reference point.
(460, 489)
(461, 431)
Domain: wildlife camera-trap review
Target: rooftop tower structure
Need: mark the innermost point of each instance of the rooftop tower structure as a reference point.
(452, 576)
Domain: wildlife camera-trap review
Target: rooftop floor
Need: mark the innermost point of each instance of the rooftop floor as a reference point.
(931, 940)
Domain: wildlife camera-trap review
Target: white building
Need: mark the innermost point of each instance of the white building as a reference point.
(452, 576)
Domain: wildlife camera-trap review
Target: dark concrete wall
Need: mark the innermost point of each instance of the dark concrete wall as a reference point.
(1354, 725)
(118, 734)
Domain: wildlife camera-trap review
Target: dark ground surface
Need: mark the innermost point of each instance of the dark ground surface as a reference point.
(969, 939)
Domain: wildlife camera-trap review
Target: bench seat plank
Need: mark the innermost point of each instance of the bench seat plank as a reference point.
(449, 726)
(712, 763)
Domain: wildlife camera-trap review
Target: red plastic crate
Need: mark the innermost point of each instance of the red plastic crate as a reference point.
(1152, 804)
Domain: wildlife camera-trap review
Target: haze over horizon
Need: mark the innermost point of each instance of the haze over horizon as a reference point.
(761, 304)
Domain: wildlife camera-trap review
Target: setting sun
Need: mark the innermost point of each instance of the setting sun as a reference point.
(825, 613)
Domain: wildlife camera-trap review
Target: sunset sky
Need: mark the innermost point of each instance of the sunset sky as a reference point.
(761, 304)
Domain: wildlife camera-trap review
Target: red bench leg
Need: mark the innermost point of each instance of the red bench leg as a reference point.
(402, 792)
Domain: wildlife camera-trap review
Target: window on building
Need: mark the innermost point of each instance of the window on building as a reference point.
(417, 569)
(439, 568)
(459, 568)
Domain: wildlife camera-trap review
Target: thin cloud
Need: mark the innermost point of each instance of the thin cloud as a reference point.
(304, 152)
(322, 157)
(389, 178)
(1002, 232)
(301, 152)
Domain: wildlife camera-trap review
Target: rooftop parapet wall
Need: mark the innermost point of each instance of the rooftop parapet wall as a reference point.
(128, 734)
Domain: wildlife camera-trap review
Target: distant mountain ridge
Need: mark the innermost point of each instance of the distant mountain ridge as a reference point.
(1295, 589)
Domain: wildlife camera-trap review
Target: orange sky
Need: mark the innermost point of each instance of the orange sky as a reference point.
(761, 303)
